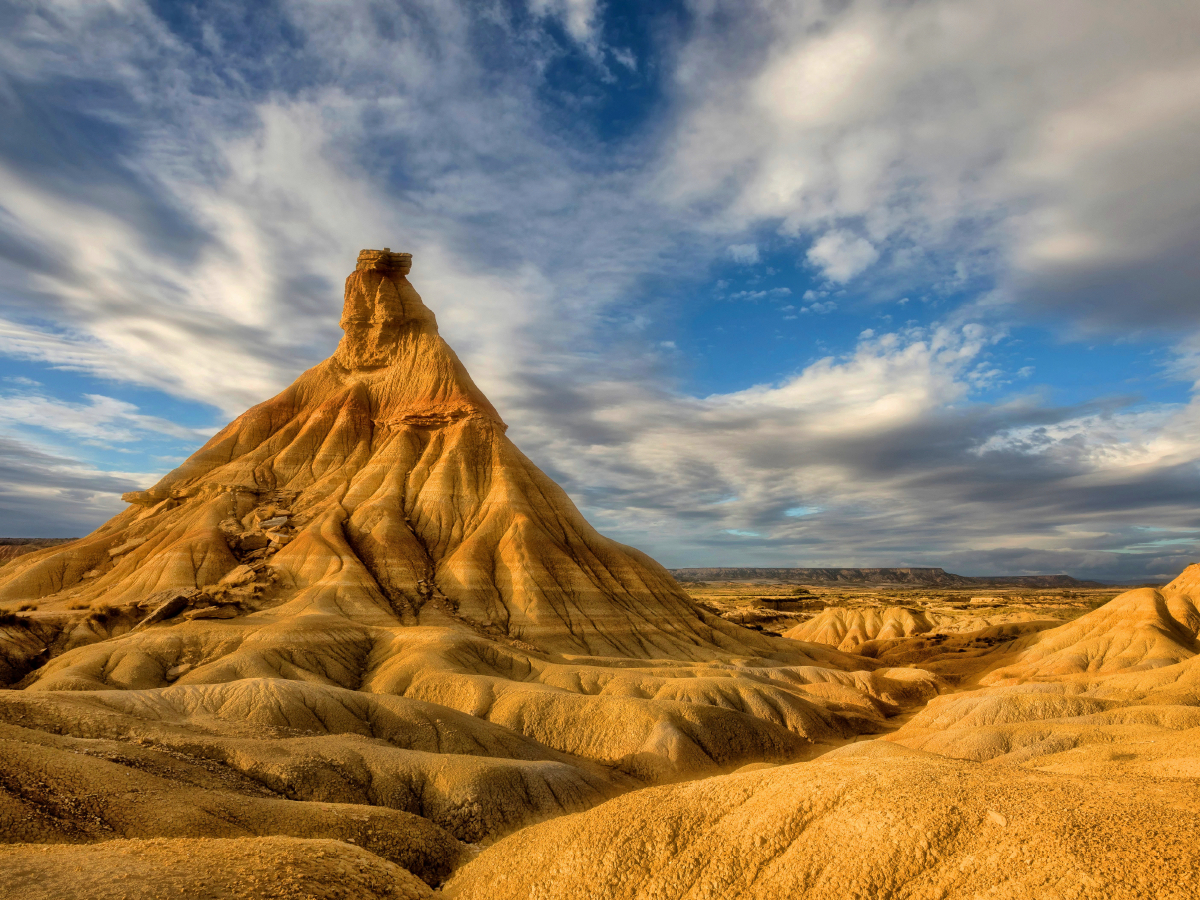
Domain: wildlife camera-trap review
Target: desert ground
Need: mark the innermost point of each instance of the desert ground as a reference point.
(358, 645)
(777, 607)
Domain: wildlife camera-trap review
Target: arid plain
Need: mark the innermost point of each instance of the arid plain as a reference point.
(358, 645)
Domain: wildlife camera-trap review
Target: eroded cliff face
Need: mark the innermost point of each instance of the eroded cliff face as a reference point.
(380, 305)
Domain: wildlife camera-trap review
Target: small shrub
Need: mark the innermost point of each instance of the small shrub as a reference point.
(12, 620)
(27, 607)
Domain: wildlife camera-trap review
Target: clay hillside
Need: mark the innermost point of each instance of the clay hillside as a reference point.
(358, 645)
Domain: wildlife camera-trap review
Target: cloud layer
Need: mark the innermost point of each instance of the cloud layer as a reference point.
(1050, 146)
(184, 189)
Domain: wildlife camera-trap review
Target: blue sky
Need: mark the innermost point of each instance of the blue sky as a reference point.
(779, 283)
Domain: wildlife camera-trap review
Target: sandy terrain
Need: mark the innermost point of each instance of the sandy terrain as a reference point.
(358, 645)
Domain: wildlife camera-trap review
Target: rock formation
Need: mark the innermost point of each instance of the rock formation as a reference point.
(380, 486)
(359, 632)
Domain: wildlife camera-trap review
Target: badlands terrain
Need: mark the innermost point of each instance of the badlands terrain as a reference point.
(359, 646)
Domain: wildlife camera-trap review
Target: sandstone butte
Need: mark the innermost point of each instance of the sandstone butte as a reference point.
(358, 645)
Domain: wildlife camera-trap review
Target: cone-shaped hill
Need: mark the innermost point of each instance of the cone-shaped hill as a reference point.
(370, 539)
(381, 486)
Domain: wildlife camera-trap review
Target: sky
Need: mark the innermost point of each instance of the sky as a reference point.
(760, 283)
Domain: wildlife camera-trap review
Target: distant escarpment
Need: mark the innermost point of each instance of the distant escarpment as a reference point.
(916, 576)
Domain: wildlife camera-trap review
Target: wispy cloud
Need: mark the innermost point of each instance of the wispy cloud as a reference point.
(102, 420)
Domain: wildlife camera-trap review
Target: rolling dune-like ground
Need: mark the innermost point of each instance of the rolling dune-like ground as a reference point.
(358, 645)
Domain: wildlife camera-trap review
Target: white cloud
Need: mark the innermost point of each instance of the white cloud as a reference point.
(766, 294)
(1072, 182)
(625, 57)
(840, 255)
(816, 86)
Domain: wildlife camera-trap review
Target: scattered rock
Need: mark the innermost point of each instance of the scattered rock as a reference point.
(142, 498)
(279, 539)
(253, 541)
(173, 605)
(243, 574)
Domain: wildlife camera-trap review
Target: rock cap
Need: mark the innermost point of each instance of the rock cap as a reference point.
(384, 261)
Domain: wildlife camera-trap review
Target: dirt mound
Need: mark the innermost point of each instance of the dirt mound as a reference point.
(1114, 691)
(865, 822)
(312, 742)
(58, 789)
(1145, 628)
(205, 869)
(846, 629)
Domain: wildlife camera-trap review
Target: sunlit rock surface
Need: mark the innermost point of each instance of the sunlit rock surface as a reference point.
(359, 635)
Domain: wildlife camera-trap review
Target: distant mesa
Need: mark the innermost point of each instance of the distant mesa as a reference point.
(927, 576)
